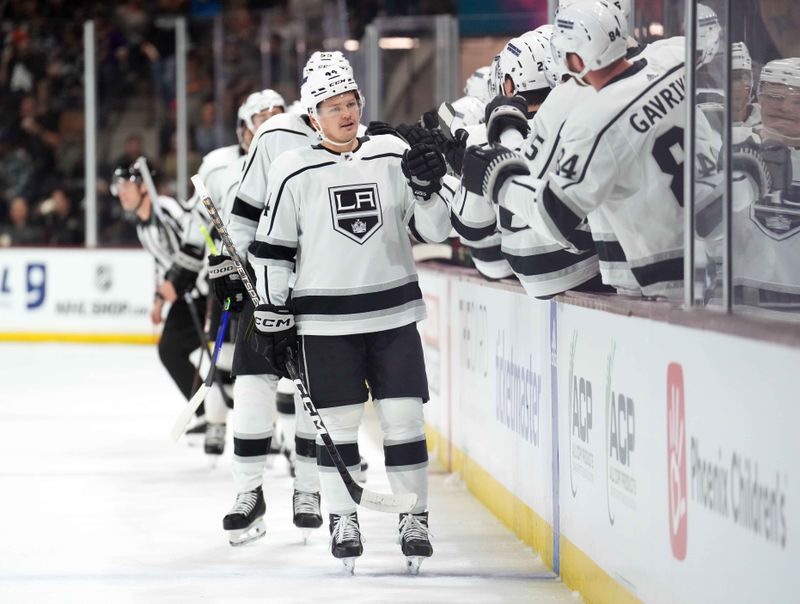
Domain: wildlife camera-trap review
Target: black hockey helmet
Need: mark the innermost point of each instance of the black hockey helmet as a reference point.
(130, 173)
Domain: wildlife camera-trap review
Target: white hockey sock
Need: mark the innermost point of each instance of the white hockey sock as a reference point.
(306, 476)
(253, 416)
(404, 447)
(216, 409)
(284, 402)
(342, 424)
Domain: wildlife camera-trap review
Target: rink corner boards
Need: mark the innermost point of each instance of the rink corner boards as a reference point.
(79, 338)
(578, 571)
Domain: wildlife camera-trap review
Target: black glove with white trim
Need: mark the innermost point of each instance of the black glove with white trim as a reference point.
(225, 282)
(275, 333)
(424, 167)
(486, 169)
(504, 112)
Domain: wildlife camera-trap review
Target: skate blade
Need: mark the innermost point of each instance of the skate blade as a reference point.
(413, 563)
(349, 565)
(306, 532)
(213, 459)
(248, 535)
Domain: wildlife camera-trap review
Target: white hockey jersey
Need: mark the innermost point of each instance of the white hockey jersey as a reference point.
(219, 171)
(475, 222)
(542, 264)
(766, 257)
(342, 221)
(278, 134)
(543, 147)
(622, 162)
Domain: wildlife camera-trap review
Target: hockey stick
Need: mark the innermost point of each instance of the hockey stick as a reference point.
(187, 412)
(179, 426)
(147, 177)
(381, 502)
(198, 325)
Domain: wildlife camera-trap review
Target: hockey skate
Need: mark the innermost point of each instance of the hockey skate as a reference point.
(307, 516)
(215, 441)
(244, 522)
(346, 541)
(414, 540)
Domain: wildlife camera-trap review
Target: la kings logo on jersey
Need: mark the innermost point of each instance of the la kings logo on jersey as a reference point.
(356, 211)
(777, 221)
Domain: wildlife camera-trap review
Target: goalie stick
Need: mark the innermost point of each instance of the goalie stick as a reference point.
(381, 502)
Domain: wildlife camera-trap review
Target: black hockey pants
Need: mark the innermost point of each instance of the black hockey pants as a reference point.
(178, 339)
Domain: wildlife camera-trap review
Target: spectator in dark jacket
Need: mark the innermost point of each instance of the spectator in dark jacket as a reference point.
(63, 227)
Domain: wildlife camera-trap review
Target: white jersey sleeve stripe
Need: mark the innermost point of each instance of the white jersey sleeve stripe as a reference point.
(283, 185)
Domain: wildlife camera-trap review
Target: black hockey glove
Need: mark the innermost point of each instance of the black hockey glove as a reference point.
(275, 334)
(423, 165)
(184, 270)
(486, 170)
(375, 128)
(453, 149)
(225, 282)
(429, 119)
(504, 112)
(414, 134)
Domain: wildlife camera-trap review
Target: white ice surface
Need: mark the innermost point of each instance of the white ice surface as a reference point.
(96, 505)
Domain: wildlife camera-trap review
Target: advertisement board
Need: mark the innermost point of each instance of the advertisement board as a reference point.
(75, 294)
(501, 401)
(677, 453)
(435, 335)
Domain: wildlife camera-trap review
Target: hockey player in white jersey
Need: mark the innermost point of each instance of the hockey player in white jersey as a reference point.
(766, 227)
(338, 216)
(220, 171)
(170, 233)
(255, 386)
(542, 148)
(621, 161)
(542, 264)
(257, 382)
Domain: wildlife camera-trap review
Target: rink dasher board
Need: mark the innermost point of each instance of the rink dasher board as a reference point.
(633, 397)
(102, 295)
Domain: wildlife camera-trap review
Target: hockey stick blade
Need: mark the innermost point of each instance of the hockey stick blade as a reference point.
(390, 503)
(179, 427)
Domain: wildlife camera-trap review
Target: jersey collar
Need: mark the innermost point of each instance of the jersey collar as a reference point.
(631, 71)
(361, 140)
